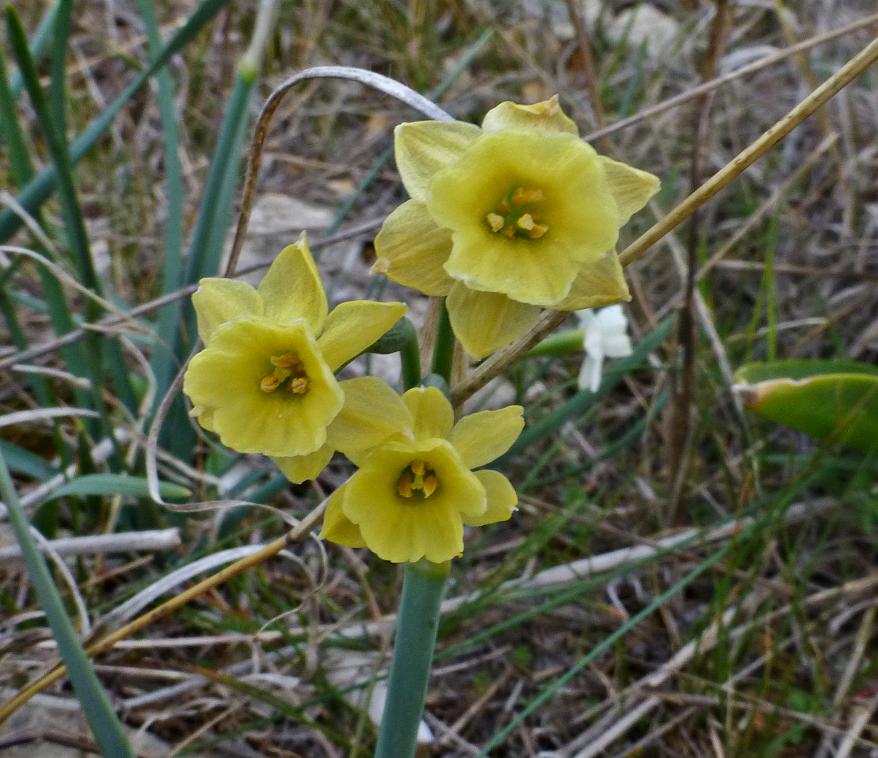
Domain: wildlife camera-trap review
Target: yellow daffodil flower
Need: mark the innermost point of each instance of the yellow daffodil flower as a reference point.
(508, 218)
(416, 489)
(265, 381)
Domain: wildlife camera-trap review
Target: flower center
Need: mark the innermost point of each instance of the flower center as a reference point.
(417, 480)
(288, 370)
(516, 215)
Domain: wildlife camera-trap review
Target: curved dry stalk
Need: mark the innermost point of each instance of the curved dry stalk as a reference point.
(504, 358)
(377, 81)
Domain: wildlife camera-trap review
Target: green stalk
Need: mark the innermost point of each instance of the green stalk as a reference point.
(560, 343)
(443, 349)
(410, 359)
(417, 624)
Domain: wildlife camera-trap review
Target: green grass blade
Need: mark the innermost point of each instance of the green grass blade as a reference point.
(105, 725)
(38, 46)
(42, 186)
(116, 484)
(57, 88)
(25, 462)
(20, 164)
(173, 224)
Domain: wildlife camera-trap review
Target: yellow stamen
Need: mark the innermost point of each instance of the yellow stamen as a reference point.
(287, 366)
(495, 221)
(404, 485)
(537, 231)
(430, 485)
(525, 222)
(525, 195)
(286, 360)
(417, 480)
(516, 214)
(300, 385)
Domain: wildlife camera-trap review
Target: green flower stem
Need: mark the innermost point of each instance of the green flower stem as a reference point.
(443, 349)
(416, 628)
(410, 358)
(568, 341)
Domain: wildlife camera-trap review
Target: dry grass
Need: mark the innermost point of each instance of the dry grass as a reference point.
(765, 643)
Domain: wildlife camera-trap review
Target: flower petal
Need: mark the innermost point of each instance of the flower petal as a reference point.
(411, 249)
(423, 147)
(486, 321)
(513, 268)
(300, 468)
(219, 300)
(371, 413)
(590, 373)
(631, 187)
(226, 379)
(291, 288)
(546, 115)
(337, 527)
(354, 325)
(432, 414)
(596, 284)
(502, 499)
(481, 437)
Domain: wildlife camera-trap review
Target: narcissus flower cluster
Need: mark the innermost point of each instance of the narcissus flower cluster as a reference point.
(415, 491)
(509, 218)
(265, 381)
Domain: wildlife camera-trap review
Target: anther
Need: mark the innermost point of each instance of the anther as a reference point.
(287, 360)
(495, 221)
(537, 231)
(270, 383)
(299, 385)
(525, 222)
(404, 485)
(430, 485)
(418, 467)
(525, 195)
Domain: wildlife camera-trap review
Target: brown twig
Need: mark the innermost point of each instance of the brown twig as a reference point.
(586, 56)
(682, 384)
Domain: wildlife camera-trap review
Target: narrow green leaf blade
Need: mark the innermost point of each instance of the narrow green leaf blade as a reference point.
(116, 484)
(840, 407)
(105, 725)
